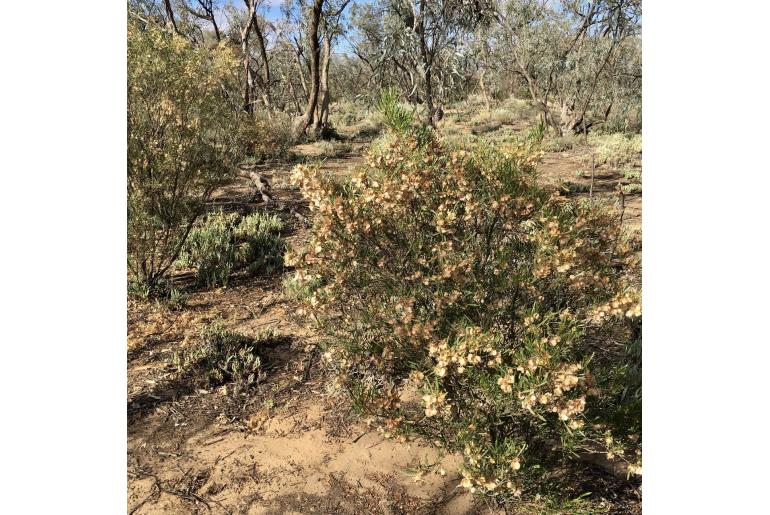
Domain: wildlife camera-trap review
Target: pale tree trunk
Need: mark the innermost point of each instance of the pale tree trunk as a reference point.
(482, 75)
(483, 87)
(248, 105)
(293, 92)
(331, 21)
(265, 80)
(170, 20)
(426, 64)
(304, 121)
(300, 70)
(323, 110)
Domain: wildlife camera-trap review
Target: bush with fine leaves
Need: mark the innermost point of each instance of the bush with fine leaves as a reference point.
(464, 303)
(181, 141)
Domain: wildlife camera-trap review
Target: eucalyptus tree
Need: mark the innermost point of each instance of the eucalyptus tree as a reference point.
(567, 52)
(304, 121)
(246, 28)
(418, 42)
(204, 10)
(332, 28)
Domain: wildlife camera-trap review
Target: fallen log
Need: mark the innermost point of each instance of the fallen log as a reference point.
(259, 182)
(615, 468)
(598, 460)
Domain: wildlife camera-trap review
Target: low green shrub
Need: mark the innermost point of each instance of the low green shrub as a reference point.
(558, 144)
(221, 242)
(139, 289)
(210, 248)
(461, 302)
(176, 300)
(297, 287)
(485, 127)
(221, 357)
(504, 116)
(334, 148)
(632, 175)
(345, 113)
(633, 188)
(511, 111)
(521, 109)
(259, 244)
(397, 116)
(574, 187)
(617, 149)
(162, 291)
(634, 178)
(536, 133)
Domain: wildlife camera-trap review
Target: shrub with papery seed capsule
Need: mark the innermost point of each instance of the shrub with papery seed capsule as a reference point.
(478, 310)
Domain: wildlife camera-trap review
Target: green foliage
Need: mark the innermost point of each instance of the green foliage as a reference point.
(634, 185)
(259, 244)
(162, 291)
(175, 301)
(558, 144)
(632, 175)
(574, 187)
(485, 127)
(266, 137)
(297, 287)
(139, 289)
(345, 113)
(181, 142)
(334, 148)
(591, 76)
(630, 189)
(536, 133)
(221, 242)
(617, 149)
(520, 109)
(395, 115)
(369, 128)
(355, 119)
(210, 248)
(462, 303)
(222, 357)
(511, 112)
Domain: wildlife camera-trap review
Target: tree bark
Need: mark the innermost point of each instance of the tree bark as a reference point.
(298, 60)
(483, 87)
(265, 82)
(260, 183)
(207, 14)
(323, 111)
(304, 121)
(170, 21)
(426, 64)
(248, 105)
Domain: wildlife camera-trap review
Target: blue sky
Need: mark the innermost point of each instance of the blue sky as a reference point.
(271, 9)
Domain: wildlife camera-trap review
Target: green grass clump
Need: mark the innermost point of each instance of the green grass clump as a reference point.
(617, 149)
(558, 144)
(222, 242)
(329, 149)
(223, 356)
